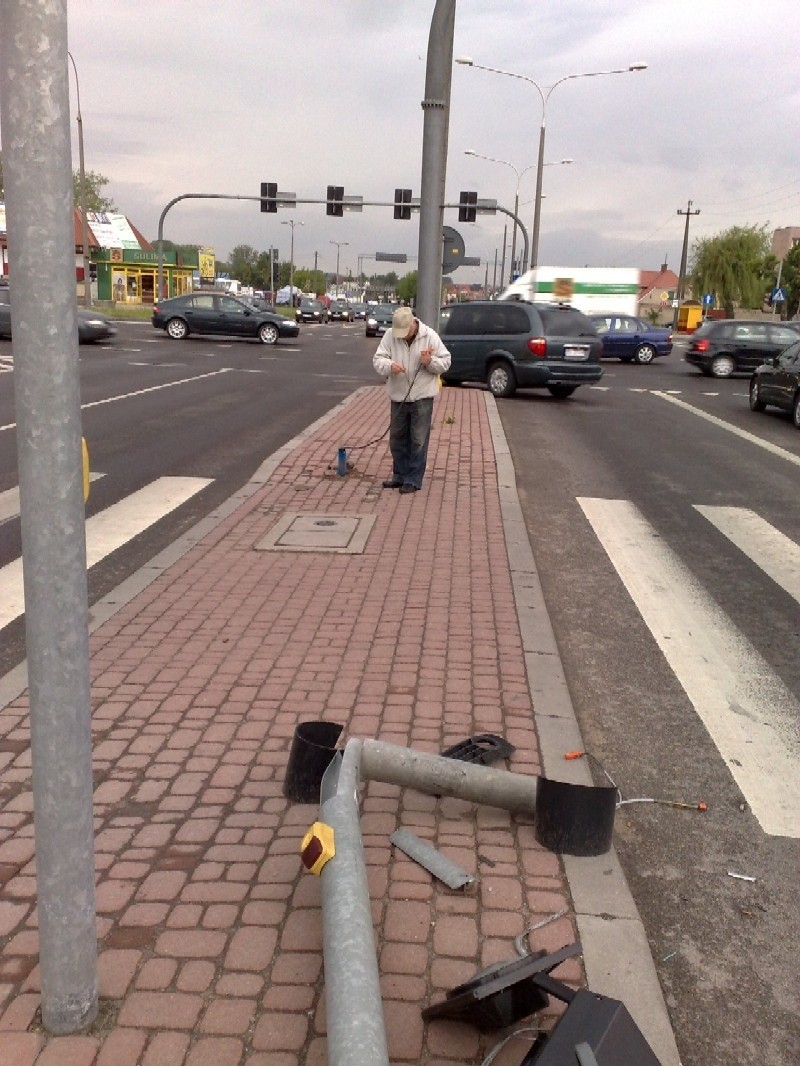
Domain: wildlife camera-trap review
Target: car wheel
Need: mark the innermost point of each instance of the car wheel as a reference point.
(268, 333)
(796, 411)
(561, 392)
(501, 380)
(756, 404)
(644, 354)
(722, 366)
(177, 329)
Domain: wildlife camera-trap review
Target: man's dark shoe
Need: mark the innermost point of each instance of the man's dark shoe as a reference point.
(409, 488)
(390, 483)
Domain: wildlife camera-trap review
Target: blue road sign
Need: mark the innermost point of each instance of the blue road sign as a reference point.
(778, 296)
(708, 299)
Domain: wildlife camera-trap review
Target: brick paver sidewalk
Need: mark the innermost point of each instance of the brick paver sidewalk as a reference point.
(209, 933)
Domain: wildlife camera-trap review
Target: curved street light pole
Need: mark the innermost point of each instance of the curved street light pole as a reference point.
(545, 96)
(339, 244)
(87, 281)
(519, 173)
(291, 223)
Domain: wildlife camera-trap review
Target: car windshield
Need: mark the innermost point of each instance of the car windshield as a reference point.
(383, 309)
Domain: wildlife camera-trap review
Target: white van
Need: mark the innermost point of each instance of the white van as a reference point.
(593, 290)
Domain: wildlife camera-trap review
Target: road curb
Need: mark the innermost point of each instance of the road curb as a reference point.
(616, 953)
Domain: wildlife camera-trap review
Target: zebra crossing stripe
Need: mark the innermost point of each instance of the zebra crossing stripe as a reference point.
(749, 713)
(107, 531)
(767, 547)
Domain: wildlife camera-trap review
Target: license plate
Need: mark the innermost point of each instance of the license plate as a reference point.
(576, 351)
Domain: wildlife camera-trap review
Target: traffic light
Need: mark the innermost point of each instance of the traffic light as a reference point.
(467, 206)
(402, 203)
(335, 205)
(269, 197)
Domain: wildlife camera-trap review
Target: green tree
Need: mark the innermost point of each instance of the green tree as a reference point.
(95, 201)
(407, 288)
(242, 261)
(790, 282)
(735, 265)
(309, 280)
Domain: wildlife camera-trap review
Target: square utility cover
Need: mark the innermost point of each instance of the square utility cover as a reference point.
(302, 532)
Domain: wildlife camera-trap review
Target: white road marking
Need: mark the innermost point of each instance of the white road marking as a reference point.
(9, 500)
(600, 388)
(140, 392)
(765, 444)
(769, 549)
(749, 713)
(107, 531)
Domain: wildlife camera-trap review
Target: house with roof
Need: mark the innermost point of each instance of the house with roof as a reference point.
(123, 264)
(657, 291)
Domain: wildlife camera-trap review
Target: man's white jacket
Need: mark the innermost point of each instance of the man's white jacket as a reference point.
(425, 379)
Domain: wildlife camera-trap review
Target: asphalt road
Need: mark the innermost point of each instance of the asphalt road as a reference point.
(199, 408)
(659, 442)
(725, 948)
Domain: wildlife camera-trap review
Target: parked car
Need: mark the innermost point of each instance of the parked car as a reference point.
(379, 319)
(92, 326)
(311, 311)
(631, 339)
(777, 383)
(518, 344)
(340, 311)
(218, 313)
(728, 346)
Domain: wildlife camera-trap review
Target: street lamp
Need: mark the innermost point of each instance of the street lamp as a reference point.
(545, 96)
(339, 244)
(87, 281)
(519, 173)
(291, 223)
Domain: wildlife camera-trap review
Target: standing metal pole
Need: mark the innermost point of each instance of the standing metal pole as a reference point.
(494, 275)
(87, 280)
(537, 209)
(777, 286)
(514, 236)
(503, 261)
(436, 107)
(34, 94)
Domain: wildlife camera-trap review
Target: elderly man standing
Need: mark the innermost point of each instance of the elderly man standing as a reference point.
(410, 356)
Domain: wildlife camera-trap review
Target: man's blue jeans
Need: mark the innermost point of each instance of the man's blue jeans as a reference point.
(409, 433)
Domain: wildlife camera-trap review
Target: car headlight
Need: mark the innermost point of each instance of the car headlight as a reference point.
(372, 321)
(95, 322)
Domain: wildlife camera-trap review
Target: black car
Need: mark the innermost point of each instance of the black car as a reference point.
(379, 319)
(726, 346)
(777, 383)
(340, 311)
(359, 310)
(631, 339)
(222, 314)
(92, 326)
(517, 344)
(311, 311)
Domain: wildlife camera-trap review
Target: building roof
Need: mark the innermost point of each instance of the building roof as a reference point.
(144, 244)
(656, 279)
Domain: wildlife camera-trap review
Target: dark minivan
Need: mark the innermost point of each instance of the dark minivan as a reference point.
(516, 344)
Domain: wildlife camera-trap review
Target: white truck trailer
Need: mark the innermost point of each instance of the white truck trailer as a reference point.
(593, 290)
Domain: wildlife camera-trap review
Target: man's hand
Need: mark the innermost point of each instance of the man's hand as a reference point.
(425, 356)
(398, 368)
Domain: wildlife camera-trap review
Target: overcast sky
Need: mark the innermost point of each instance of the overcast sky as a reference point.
(215, 96)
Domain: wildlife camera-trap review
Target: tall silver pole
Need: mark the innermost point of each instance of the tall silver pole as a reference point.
(537, 210)
(87, 281)
(436, 107)
(514, 235)
(35, 122)
(503, 260)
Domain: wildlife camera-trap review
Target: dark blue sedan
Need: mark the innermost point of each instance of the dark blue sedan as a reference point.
(631, 339)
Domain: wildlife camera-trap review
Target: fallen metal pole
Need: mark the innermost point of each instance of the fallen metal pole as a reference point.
(356, 1033)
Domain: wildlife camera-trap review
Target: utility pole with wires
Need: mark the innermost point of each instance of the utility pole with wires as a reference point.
(684, 253)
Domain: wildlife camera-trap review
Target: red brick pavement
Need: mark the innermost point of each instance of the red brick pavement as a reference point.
(209, 934)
